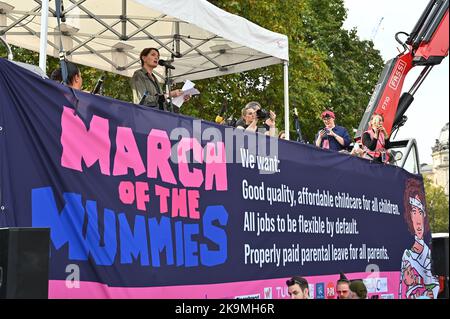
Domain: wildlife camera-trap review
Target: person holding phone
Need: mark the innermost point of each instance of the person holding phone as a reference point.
(375, 140)
(332, 136)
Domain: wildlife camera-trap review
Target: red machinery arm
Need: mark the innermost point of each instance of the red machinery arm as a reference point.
(427, 45)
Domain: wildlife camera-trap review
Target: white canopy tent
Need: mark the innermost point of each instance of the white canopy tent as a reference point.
(202, 40)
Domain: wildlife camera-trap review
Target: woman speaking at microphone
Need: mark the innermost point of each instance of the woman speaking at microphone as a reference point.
(146, 89)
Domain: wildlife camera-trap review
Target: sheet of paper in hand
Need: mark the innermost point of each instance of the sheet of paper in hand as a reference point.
(188, 89)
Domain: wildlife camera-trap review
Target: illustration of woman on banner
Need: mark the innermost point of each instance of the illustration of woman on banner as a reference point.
(416, 279)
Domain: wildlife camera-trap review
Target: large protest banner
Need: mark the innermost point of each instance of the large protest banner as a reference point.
(149, 204)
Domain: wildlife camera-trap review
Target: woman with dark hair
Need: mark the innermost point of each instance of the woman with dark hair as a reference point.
(358, 289)
(416, 278)
(145, 83)
(74, 79)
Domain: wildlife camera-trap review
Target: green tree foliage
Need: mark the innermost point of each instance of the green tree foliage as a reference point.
(329, 67)
(309, 76)
(355, 64)
(116, 86)
(437, 207)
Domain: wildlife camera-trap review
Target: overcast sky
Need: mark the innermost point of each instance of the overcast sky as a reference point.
(429, 112)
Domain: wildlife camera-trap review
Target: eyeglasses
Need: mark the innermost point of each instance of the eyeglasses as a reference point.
(326, 118)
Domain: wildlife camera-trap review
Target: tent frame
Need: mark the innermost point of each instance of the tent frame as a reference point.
(124, 20)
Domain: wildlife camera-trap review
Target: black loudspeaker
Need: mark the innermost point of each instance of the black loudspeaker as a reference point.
(439, 256)
(24, 260)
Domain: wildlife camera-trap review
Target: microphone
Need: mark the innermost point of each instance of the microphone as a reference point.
(223, 110)
(220, 117)
(99, 85)
(161, 100)
(166, 64)
(141, 102)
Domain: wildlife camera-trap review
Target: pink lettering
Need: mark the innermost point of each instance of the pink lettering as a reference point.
(163, 194)
(127, 153)
(126, 192)
(179, 207)
(141, 195)
(193, 197)
(158, 154)
(187, 178)
(91, 145)
(216, 166)
(80, 143)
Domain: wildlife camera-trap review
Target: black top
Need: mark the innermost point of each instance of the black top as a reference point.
(371, 144)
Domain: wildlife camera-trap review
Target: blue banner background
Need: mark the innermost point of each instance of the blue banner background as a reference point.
(30, 159)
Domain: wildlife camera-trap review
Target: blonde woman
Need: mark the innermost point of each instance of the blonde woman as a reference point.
(375, 140)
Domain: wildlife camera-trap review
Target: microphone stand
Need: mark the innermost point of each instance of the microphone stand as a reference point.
(98, 89)
(168, 85)
(102, 87)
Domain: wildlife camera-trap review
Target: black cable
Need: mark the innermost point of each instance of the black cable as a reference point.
(403, 44)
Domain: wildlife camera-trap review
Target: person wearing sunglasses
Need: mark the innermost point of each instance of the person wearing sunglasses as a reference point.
(343, 287)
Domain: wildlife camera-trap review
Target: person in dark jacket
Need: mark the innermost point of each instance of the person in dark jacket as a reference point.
(332, 136)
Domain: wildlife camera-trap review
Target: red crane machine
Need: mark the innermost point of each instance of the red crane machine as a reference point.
(426, 45)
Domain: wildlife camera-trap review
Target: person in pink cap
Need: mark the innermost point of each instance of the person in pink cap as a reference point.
(332, 136)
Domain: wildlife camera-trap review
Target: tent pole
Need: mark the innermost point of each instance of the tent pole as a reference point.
(286, 98)
(43, 43)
